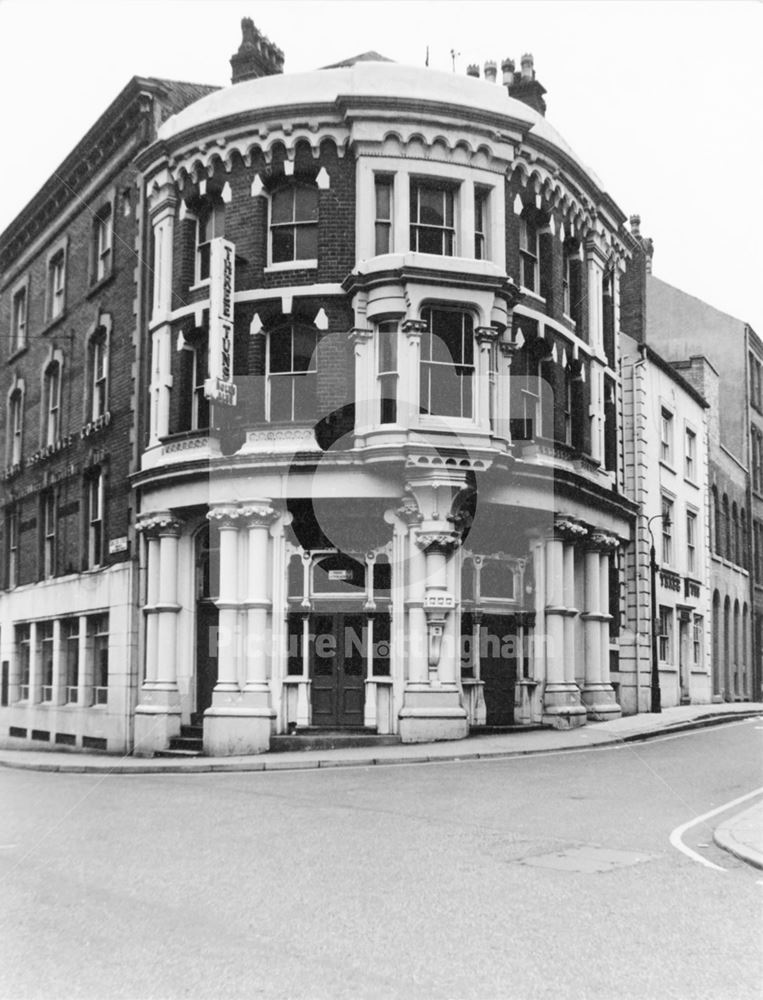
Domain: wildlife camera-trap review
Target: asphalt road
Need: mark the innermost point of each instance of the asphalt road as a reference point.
(546, 876)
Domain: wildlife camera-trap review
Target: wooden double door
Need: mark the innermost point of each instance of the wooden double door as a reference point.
(340, 646)
(498, 657)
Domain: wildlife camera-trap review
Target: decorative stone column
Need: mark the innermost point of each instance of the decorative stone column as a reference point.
(408, 368)
(241, 720)
(506, 351)
(157, 715)
(598, 694)
(487, 393)
(366, 393)
(561, 698)
(433, 708)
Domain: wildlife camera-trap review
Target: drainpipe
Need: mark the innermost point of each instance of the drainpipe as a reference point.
(639, 532)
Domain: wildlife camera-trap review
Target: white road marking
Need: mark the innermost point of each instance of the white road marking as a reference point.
(677, 834)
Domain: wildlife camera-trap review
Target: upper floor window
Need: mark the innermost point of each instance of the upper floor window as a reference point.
(18, 320)
(387, 369)
(51, 403)
(48, 534)
(294, 223)
(480, 223)
(95, 503)
(291, 372)
(103, 238)
(666, 436)
(383, 220)
(15, 427)
(691, 542)
(667, 531)
(666, 634)
(529, 254)
(447, 363)
(194, 373)
(56, 284)
(432, 218)
(210, 224)
(12, 546)
(99, 374)
(690, 464)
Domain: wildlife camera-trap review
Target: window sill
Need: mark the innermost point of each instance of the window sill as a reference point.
(293, 265)
(198, 285)
(101, 283)
(668, 468)
(691, 482)
(18, 353)
(53, 323)
(535, 295)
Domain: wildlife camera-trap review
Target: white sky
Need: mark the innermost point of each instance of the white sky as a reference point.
(662, 99)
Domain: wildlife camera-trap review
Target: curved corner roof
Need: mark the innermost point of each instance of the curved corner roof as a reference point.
(364, 79)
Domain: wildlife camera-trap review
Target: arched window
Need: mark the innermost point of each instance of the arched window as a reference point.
(51, 407)
(716, 521)
(291, 367)
(726, 528)
(294, 223)
(15, 423)
(98, 366)
(210, 224)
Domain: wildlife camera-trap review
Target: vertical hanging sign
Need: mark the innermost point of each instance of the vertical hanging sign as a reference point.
(220, 387)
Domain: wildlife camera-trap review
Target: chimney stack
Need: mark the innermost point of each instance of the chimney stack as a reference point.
(507, 68)
(491, 72)
(472, 70)
(257, 55)
(524, 87)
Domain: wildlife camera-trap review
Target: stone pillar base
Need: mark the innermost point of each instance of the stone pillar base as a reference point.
(430, 714)
(155, 725)
(230, 732)
(600, 702)
(562, 708)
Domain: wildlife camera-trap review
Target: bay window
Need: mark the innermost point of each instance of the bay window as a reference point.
(387, 372)
(432, 214)
(447, 364)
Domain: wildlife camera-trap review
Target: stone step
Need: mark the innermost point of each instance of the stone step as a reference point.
(178, 753)
(320, 739)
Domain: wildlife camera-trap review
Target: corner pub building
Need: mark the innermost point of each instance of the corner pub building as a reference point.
(380, 483)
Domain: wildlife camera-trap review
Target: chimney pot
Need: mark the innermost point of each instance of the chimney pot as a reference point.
(472, 70)
(491, 72)
(507, 68)
(635, 222)
(528, 71)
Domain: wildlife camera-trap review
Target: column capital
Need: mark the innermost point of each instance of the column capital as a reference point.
(486, 334)
(414, 328)
(159, 522)
(409, 512)
(568, 529)
(257, 515)
(224, 515)
(443, 541)
(602, 541)
(360, 335)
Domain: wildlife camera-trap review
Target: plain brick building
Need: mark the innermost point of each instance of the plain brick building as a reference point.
(70, 301)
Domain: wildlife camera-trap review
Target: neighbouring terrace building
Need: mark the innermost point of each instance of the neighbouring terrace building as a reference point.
(69, 314)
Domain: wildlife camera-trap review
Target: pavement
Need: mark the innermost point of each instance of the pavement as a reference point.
(742, 834)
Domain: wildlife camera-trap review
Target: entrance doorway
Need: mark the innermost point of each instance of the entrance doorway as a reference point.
(338, 651)
(498, 667)
(207, 615)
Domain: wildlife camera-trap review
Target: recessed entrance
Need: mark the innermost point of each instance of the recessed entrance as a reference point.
(498, 667)
(338, 650)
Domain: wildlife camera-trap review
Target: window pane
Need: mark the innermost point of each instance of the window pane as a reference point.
(307, 243)
(283, 245)
(282, 206)
(429, 241)
(304, 396)
(306, 204)
(281, 387)
(431, 207)
(280, 351)
(383, 199)
(304, 349)
(383, 232)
